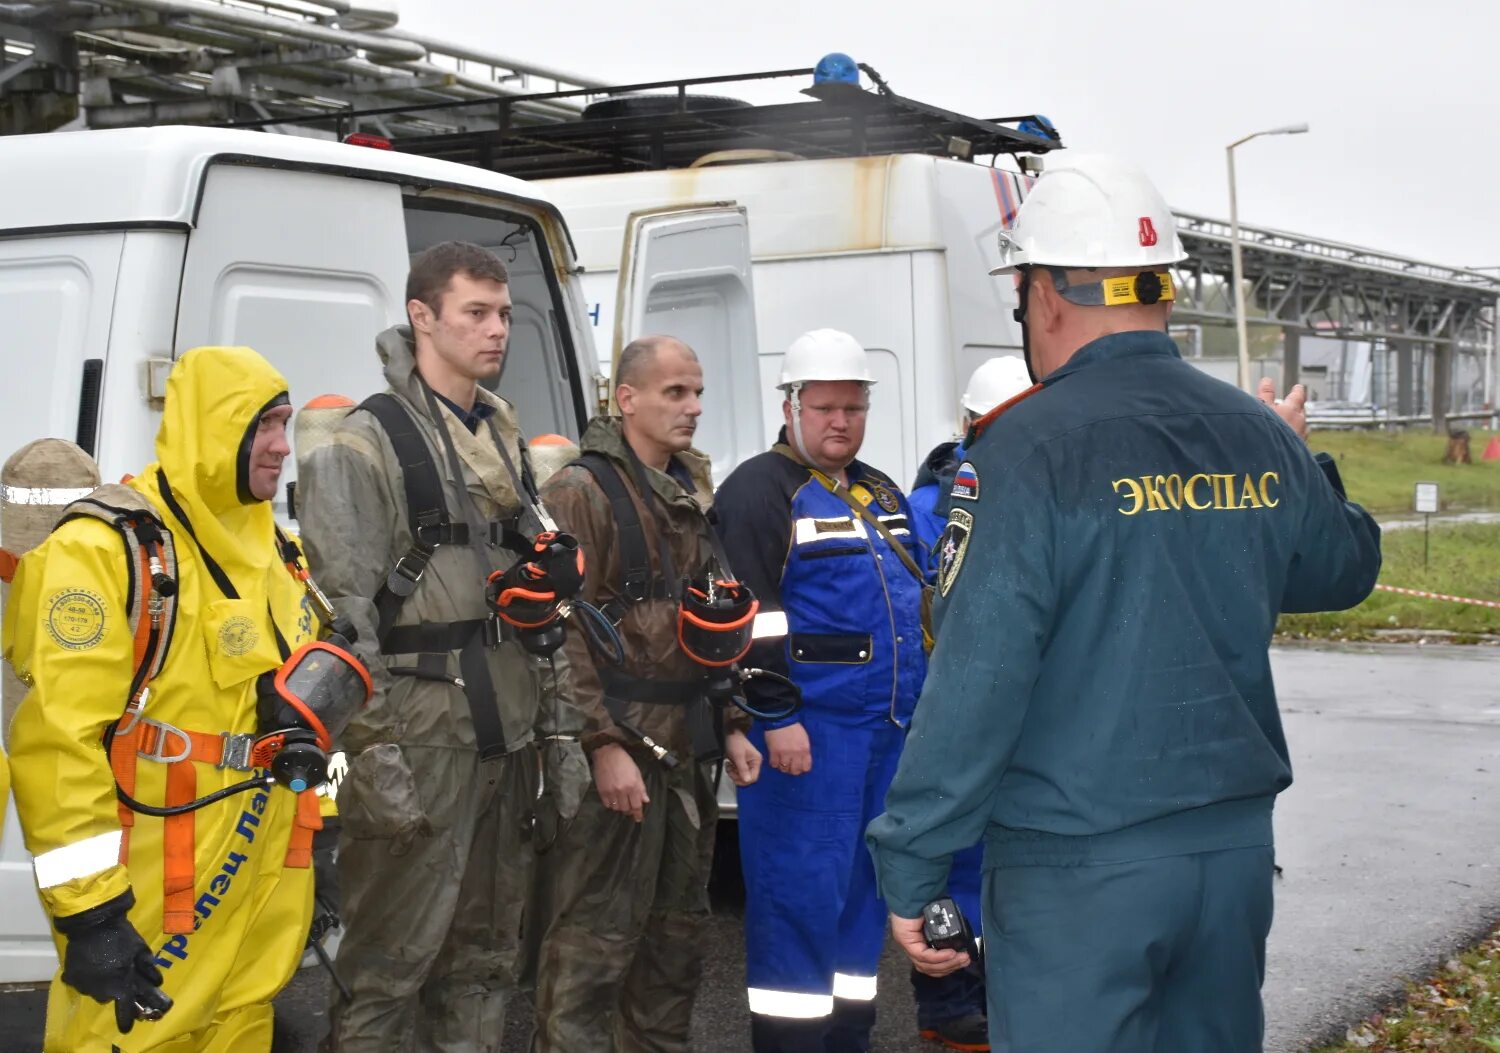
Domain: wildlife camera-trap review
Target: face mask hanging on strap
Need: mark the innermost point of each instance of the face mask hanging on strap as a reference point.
(539, 592)
(715, 617)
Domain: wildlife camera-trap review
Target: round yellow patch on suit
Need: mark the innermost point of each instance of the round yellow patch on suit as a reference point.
(238, 636)
(75, 618)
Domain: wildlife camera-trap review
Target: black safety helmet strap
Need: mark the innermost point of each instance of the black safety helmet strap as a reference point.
(1148, 287)
(1145, 287)
(1023, 292)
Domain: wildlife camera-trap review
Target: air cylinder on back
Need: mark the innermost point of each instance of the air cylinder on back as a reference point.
(36, 484)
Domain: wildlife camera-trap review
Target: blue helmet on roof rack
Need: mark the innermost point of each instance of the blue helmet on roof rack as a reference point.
(836, 68)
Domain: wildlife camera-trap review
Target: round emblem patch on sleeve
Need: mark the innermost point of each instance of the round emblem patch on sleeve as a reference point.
(885, 499)
(75, 619)
(952, 545)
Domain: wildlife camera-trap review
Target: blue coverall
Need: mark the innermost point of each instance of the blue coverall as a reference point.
(929, 494)
(843, 616)
(1100, 706)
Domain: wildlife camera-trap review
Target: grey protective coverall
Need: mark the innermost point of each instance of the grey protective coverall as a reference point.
(434, 858)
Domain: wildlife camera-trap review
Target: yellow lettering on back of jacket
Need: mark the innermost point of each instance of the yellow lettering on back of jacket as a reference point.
(1200, 492)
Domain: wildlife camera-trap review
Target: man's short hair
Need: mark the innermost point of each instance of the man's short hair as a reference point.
(433, 270)
(638, 355)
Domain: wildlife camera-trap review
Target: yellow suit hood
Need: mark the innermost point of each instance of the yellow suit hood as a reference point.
(215, 399)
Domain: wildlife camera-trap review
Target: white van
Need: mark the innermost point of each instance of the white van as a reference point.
(893, 249)
(119, 250)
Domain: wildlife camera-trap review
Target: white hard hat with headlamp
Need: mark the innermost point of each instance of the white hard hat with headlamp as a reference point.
(1093, 212)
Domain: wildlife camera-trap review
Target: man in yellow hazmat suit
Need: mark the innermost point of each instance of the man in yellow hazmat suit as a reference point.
(209, 908)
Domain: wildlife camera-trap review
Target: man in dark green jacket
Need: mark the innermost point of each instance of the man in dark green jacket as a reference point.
(1099, 705)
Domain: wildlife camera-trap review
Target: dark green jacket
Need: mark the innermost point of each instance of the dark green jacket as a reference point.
(1118, 548)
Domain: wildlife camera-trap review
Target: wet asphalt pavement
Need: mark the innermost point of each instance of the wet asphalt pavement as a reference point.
(1390, 840)
(1390, 835)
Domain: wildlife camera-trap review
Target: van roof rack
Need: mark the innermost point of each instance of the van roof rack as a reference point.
(671, 124)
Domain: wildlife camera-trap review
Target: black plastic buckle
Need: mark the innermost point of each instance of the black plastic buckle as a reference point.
(406, 574)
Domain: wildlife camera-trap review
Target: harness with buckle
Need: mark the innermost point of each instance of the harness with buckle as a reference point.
(151, 604)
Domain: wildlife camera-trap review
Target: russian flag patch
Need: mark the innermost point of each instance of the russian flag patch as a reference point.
(966, 482)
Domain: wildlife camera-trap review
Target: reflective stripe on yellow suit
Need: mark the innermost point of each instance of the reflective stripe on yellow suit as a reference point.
(67, 632)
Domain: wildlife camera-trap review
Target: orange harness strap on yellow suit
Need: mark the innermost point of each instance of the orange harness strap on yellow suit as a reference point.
(153, 610)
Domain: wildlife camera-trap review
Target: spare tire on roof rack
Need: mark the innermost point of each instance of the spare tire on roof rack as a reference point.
(720, 158)
(642, 105)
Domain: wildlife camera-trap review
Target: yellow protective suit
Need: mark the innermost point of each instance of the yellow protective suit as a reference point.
(68, 635)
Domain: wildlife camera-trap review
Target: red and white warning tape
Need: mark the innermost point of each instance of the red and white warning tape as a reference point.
(1438, 596)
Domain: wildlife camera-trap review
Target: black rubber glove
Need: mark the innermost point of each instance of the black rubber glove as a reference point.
(326, 897)
(106, 959)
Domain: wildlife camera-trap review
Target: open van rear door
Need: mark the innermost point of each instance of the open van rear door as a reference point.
(305, 267)
(685, 272)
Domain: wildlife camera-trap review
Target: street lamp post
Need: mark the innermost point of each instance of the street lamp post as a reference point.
(1234, 245)
(1489, 358)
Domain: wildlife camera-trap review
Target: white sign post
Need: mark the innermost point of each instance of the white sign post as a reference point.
(1425, 500)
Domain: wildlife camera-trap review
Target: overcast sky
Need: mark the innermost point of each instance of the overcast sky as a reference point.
(1403, 98)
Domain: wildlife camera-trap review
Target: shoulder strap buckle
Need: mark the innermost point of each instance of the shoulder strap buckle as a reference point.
(427, 526)
(154, 747)
(407, 573)
(236, 751)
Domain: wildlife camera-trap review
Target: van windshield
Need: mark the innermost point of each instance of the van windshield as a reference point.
(539, 377)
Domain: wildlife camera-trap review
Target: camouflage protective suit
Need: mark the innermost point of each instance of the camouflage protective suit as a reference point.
(435, 859)
(622, 955)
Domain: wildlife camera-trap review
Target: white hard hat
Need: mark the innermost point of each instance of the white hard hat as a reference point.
(996, 380)
(824, 354)
(1091, 210)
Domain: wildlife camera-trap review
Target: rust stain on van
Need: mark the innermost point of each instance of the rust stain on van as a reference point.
(558, 246)
(845, 206)
(867, 203)
(682, 186)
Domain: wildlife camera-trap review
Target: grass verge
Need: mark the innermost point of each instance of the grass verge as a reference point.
(1456, 1011)
(1380, 468)
(1465, 561)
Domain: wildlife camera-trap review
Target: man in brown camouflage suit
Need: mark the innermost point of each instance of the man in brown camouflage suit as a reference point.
(622, 956)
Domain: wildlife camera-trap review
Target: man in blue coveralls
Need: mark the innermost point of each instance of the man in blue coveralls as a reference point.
(1100, 704)
(825, 542)
(951, 1009)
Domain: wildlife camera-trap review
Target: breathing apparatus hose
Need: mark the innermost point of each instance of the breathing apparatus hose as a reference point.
(192, 806)
(258, 783)
(741, 701)
(599, 632)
